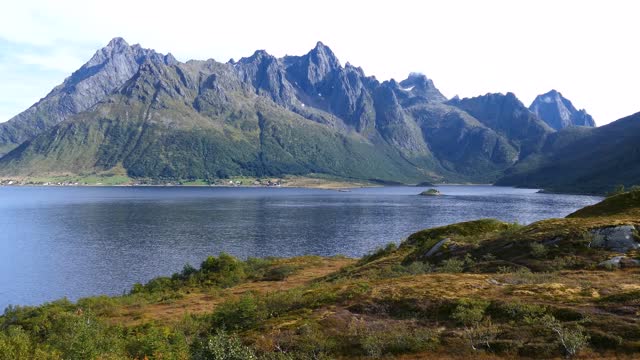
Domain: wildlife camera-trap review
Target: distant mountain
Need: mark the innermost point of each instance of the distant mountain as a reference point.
(107, 70)
(261, 115)
(582, 159)
(558, 112)
(155, 117)
(510, 118)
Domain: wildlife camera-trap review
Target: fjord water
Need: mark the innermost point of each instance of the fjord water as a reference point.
(81, 241)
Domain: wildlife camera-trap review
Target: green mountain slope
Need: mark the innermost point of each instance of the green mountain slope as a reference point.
(258, 116)
(584, 160)
(197, 120)
(108, 69)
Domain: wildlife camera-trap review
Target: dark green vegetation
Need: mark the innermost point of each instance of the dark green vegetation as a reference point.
(158, 119)
(477, 289)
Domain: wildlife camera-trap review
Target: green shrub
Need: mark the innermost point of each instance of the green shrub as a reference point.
(221, 346)
(99, 305)
(469, 311)
(240, 314)
(15, 344)
(538, 250)
(224, 271)
(379, 338)
(452, 265)
(255, 268)
(378, 253)
(572, 338)
(478, 329)
(630, 297)
(156, 342)
(306, 341)
(419, 267)
(279, 273)
(278, 303)
(603, 340)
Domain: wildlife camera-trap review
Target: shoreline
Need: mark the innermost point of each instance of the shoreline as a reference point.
(284, 182)
(300, 182)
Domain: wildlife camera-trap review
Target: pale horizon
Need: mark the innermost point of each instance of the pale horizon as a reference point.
(584, 50)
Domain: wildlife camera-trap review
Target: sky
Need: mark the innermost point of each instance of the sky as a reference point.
(587, 50)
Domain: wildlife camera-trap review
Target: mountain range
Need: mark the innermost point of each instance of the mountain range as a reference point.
(156, 117)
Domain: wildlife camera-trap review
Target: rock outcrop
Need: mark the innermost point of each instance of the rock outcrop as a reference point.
(619, 262)
(617, 238)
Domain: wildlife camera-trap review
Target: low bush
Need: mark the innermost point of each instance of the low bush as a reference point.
(221, 346)
(538, 250)
(279, 273)
(240, 314)
(452, 265)
(378, 338)
(378, 253)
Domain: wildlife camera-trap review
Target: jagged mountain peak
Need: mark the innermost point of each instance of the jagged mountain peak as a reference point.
(117, 42)
(257, 55)
(558, 112)
(107, 70)
(323, 57)
(490, 98)
(267, 75)
(420, 85)
(323, 52)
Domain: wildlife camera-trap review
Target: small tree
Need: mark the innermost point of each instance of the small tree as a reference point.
(572, 339)
(478, 329)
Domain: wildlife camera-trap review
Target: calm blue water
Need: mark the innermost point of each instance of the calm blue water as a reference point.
(81, 241)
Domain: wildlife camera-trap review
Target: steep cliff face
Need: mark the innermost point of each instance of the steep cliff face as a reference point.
(108, 69)
(558, 112)
(510, 118)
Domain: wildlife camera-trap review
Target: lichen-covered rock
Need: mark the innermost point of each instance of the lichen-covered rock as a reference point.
(616, 238)
(619, 261)
(436, 247)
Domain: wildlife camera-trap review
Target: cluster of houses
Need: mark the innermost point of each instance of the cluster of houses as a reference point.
(220, 182)
(256, 182)
(8, 182)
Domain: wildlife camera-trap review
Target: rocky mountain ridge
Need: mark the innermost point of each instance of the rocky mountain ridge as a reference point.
(158, 117)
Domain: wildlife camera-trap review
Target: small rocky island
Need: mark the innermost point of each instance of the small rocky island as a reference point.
(431, 192)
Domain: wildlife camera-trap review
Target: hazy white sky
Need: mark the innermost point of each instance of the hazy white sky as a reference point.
(588, 50)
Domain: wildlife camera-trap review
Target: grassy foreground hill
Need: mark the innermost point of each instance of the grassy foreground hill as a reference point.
(481, 289)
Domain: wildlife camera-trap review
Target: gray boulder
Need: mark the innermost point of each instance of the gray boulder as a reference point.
(619, 261)
(436, 247)
(616, 238)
